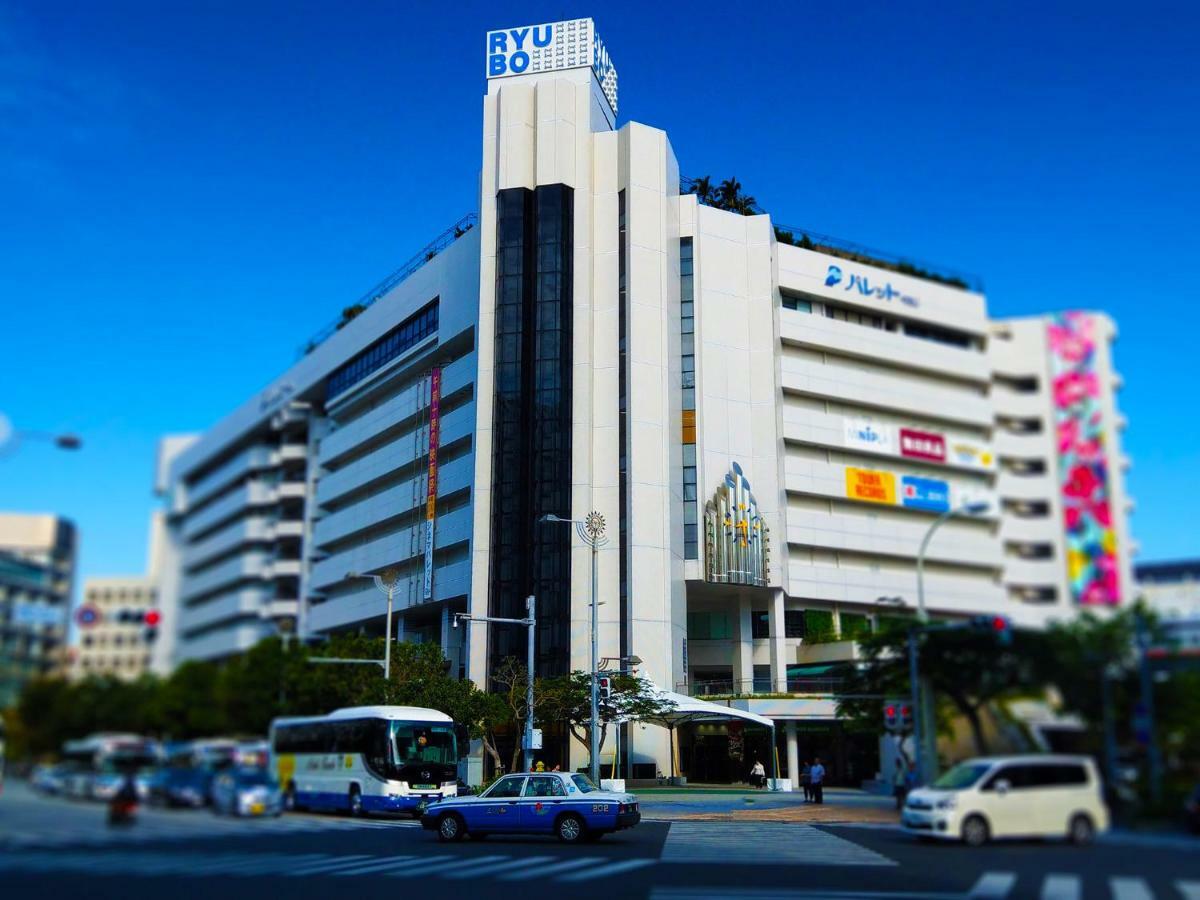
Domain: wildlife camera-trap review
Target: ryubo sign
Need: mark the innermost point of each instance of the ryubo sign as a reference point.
(547, 48)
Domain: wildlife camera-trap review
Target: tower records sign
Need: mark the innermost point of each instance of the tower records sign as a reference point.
(552, 47)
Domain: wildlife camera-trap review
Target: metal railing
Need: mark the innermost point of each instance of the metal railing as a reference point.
(422, 256)
(808, 239)
(751, 687)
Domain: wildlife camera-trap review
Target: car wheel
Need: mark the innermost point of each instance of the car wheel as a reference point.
(356, 803)
(1081, 831)
(975, 831)
(570, 829)
(450, 828)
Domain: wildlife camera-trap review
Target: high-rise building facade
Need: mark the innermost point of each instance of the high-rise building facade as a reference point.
(37, 573)
(769, 423)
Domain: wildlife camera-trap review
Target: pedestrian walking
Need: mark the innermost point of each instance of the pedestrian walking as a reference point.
(758, 774)
(816, 777)
(900, 783)
(806, 779)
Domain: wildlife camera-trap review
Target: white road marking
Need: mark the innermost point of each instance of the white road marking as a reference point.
(340, 862)
(1129, 889)
(376, 867)
(423, 867)
(1061, 887)
(553, 869)
(469, 867)
(613, 868)
(992, 886)
(1189, 889)
(766, 843)
(519, 862)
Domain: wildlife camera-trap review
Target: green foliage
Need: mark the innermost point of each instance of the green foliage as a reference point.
(568, 698)
(854, 626)
(818, 626)
(350, 313)
(728, 195)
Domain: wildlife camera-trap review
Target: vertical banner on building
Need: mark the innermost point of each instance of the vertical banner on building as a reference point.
(435, 397)
(1083, 461)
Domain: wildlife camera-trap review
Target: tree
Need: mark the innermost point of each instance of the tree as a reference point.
(965, 666)
(568, 698)
(731, 198)
(702, 187)
(350, 313)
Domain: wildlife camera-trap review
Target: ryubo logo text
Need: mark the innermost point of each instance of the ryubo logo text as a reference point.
(508, 51)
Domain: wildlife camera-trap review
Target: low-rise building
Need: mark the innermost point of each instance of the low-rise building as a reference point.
(117, 626)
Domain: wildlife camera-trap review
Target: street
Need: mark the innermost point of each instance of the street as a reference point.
(55, 847)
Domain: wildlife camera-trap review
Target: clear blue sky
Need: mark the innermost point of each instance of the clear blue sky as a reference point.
(189, 189)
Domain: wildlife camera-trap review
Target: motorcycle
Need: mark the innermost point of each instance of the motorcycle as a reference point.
(122, 809)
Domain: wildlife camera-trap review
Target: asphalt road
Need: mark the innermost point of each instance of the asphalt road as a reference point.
(55, 848)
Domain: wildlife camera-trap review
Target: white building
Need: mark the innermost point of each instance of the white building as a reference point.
(117, 626)
(1171, 590)
(769, 425)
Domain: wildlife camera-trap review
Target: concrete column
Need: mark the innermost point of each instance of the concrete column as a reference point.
(445, 636)
(743, 662)
(398, 626)
(778, 645)
(793, 754)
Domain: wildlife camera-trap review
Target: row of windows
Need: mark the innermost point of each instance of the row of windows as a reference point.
(687, 365)
(103, 663)
(853, 316)
(399, 340)
(112, 595)
(797, 623)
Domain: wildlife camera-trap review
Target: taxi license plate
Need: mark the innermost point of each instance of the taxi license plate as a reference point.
(257, 809)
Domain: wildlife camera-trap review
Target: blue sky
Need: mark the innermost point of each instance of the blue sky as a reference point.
(188, 190)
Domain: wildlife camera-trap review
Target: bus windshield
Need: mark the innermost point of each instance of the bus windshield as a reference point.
(414, 743)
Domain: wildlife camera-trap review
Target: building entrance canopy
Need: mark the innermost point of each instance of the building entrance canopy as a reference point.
(685, 710)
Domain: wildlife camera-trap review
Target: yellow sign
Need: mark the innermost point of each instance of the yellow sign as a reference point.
(870, 485)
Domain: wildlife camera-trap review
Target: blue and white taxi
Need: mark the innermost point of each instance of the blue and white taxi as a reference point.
(568, 806)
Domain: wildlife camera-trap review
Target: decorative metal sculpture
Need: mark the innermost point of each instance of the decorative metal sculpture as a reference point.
(737, 541)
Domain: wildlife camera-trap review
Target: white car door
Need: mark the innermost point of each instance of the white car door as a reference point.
(1008, 802)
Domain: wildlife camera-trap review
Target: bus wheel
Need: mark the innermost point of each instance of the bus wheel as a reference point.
(356, 802)
(450, 828)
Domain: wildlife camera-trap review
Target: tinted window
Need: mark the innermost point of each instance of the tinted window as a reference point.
(1018, 777)
(1060, 775)
(583, 783)
(544, 786)
(506, 787)
(961, 776)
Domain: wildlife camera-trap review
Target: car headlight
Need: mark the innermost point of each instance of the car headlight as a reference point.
(948, 803)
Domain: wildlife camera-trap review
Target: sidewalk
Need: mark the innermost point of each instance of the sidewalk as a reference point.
(725, 804)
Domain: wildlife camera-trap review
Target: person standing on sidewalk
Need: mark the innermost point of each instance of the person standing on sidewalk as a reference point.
(806, 780)
(816, 776)
(900, 783)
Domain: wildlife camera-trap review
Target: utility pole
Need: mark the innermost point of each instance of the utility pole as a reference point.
(530, 622)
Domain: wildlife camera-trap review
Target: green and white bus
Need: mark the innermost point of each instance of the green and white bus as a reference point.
(366, 759)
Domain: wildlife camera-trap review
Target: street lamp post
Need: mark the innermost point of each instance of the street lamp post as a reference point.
(591, 532)
(10, 438)
(386, 583)
(923, 724)
(530, 622)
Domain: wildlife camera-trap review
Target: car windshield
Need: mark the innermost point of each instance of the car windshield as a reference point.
(961, 776)
(253, 777)
(584, 784)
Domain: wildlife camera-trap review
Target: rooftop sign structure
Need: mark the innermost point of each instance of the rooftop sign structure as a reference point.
(532, 49)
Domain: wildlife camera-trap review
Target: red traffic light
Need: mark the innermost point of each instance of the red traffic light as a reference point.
(999, 623)
(891, 711)
(153, 617)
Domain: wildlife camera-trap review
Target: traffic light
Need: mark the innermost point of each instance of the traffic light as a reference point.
(891, 716)
(605, 686)
(906, 717)
(151, 620)
(999, 626)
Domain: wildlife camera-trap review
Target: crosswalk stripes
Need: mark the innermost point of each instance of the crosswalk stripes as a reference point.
(1062, 887)
(992, 886)
(144, 863)
(1129, 889)
(769, 843)
(997, 885)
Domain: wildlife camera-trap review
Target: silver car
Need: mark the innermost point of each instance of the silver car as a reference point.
(246, 792)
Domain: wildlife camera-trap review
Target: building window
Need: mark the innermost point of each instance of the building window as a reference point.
(687, 365)
(709, 626)
(793, 623)
(531, 421)
(762, 679)
(799, 304)
(760, 625)
(396, 342)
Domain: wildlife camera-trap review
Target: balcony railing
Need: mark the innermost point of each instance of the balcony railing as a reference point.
(759, 686)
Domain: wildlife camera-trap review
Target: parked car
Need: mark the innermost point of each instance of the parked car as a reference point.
(247, 792)
(1011, 796)
(48, 778)
(183, 786)
(1191, 810)
(558, 803)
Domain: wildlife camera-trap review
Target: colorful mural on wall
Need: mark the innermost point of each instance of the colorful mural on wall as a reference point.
(1091, 541)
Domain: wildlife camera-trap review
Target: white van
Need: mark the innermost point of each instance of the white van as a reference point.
(1011, 796)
